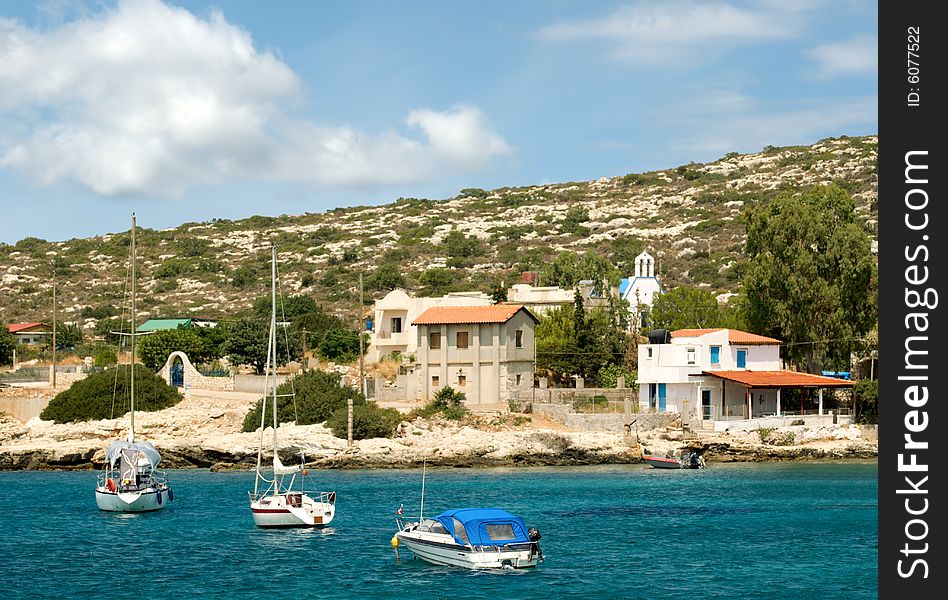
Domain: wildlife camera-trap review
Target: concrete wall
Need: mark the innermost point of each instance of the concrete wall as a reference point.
(613, 422)
(772, 422)
(24, 409)
(253, 383)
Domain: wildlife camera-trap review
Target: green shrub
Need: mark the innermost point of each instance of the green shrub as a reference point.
(318, 396)
(105, 357)
(105, 395)
(447, 402)
(368, 421)
(866, 397)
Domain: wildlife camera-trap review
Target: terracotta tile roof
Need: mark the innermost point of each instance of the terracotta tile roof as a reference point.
(778, 379)
(15, 327)
(734, 336)
(445, 315)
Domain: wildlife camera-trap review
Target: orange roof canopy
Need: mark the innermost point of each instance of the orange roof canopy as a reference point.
(779, 379)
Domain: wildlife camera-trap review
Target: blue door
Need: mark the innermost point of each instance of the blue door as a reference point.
(661, 397)
(741, 359)
(177, 375)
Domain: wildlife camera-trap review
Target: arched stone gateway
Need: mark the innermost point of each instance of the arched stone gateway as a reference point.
(178, 371)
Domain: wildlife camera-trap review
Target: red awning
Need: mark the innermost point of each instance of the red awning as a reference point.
(779, 379)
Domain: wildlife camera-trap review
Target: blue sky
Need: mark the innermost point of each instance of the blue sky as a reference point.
(191, 110)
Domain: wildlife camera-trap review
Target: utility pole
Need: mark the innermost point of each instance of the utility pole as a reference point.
(54, 332)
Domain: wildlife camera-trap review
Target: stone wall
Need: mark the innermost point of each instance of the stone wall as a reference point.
(255, 384)
(774, 422)
(193, 379)
(612, 422)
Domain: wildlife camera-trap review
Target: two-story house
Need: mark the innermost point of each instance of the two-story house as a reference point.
(483, 351)
(720, 374)
(392, 328)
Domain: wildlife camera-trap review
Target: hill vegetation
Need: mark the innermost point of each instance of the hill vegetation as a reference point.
(691, 218)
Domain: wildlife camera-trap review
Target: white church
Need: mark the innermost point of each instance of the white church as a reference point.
(639, 291)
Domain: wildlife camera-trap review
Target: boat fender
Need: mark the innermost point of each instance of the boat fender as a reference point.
(159, 497)
(395, 542)
(170, 495)
(110, 484)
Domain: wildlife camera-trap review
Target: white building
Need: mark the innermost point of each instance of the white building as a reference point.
(720, 375)
(392, 328)
(483, 351)
(640, 290)
(540, 300)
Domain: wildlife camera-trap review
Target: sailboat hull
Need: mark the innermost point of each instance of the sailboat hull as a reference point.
(146, 500)
(299, 511)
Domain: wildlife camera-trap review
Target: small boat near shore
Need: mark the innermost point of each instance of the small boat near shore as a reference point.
(688, 460)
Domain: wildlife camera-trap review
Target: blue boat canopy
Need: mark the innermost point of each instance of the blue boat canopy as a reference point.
(484, 526)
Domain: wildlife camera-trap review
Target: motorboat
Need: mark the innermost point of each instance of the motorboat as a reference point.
(473, 538)
(688, 460)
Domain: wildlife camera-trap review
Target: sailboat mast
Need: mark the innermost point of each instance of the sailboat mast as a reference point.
(131, 429)
(273, 351)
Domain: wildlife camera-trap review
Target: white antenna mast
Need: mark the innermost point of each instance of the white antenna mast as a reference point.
(421, 511)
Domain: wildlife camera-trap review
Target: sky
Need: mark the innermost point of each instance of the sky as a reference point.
(187, 111)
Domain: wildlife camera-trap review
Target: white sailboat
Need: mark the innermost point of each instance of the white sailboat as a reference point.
(274, 502)
(131, 481)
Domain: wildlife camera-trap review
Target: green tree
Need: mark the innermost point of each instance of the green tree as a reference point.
(105, 395)
(812, 280)
(447, 402)
(153, 349)
(569, 268)
(685, 307)
(387, 277)
(458, 245)
(246, 344)
(437, 281)
(68, 335)
(307, 398)
(341, 345)
(289, 308)
(7, 345)
(498, 295)
(572, 222)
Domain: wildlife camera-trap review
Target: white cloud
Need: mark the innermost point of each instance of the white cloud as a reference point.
(461, 135)
(659, 33)
(858, 55)
(149, 98)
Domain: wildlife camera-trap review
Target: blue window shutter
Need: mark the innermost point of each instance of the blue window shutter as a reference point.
(715, 355)
(741, 359)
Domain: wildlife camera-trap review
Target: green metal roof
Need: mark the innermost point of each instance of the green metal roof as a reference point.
(159, 324)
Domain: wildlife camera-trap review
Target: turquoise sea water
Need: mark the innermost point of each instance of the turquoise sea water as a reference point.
(783, 531)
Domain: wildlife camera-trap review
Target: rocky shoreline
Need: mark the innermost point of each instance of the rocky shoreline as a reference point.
(204, 432)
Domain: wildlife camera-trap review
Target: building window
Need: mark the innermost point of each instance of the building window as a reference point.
(715, 355)
(396, 324)
(520, 338)
(648, 353)
(462, 380)
(435, 381)
(519, 378)
(691, 356)
(741, 359)
(434, 340)
(462, 339)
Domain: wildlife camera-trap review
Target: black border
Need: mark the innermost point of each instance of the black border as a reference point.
(904, 128)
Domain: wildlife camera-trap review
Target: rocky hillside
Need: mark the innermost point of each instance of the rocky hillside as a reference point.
(688, 217)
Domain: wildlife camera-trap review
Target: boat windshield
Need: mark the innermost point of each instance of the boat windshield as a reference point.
(499, 532)
(459, 532)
